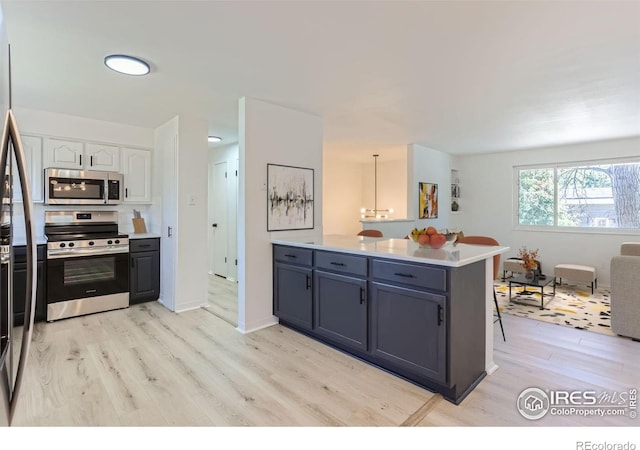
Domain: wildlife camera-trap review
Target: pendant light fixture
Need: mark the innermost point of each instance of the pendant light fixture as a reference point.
(375, 213)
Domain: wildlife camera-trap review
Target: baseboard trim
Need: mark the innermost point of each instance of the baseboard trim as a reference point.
(265, 323)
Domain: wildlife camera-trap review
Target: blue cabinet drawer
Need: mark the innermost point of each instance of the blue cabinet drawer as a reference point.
(293, 255)
(339, 262)
(144, 245)
(417, 275)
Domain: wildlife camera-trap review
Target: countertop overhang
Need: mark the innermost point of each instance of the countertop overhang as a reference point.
(451, 255)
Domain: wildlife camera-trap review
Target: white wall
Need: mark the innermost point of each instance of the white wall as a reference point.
(192, 225)
(277, 135)
(230, 155)
(341, 195)
(487, 192)
(63, 125)
(429, 166)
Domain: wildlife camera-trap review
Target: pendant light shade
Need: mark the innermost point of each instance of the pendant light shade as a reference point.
(127, 65)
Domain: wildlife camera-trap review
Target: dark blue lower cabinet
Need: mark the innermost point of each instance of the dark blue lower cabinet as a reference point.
(144, 270)
(423, 322)
(293, 294)
(408, 330)
(340, 311)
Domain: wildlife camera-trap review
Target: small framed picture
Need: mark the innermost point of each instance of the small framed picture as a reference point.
(427, 200)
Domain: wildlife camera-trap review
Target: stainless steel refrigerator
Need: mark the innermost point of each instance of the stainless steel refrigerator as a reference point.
(15, 336)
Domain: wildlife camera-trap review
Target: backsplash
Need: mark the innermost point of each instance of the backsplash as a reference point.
(125, 214)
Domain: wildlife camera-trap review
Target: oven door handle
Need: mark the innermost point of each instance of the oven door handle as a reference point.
(77, 252)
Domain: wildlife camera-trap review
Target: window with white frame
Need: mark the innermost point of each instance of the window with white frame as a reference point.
(603, 194)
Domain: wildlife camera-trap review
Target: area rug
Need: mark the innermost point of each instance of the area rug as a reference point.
(573, 305)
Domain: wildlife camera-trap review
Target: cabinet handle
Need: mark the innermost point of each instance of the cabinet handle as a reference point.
(133, 263)
(406, 275)
(144, 245)
(362, 295)
(81, 160)
(336, 264)
(290, 256)
(126, 192)
(169, 231)
(91, 160)
(440, 318)
(308, 282)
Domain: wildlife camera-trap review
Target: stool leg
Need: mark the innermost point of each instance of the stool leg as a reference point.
(495, 300)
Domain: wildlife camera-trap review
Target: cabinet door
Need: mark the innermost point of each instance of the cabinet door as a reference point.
(340, 311)
(408, 329)
(292, 288)
(144, 279)
(33, 154)
(102, 157)
(63, 154)
(19, 291)
(137, 175)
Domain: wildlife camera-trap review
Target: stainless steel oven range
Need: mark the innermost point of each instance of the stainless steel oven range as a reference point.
(87, 263)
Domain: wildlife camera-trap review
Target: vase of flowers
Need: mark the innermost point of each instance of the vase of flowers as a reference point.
(529, 261)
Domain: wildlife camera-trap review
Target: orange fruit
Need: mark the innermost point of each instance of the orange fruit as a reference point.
(431, 231)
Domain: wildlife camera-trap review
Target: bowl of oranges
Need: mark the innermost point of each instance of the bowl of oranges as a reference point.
(430, 237)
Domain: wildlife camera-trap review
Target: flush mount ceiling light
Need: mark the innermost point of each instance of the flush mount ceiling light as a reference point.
(214, 139)
(127, 64)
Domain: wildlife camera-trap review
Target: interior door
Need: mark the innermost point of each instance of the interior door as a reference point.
(232, 222)
(168, 243)
(219, 224)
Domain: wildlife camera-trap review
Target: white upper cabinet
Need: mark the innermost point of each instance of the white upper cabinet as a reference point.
(63, 154)
(68, 154)
(33, 155)
(136, 167)
(101, 157)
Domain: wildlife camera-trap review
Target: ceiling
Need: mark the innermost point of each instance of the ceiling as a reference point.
(460, 77)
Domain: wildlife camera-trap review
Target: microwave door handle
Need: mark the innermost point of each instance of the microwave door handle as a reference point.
(30, 304)
(106, 191)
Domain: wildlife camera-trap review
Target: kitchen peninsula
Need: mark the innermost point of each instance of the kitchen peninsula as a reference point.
(420, 313)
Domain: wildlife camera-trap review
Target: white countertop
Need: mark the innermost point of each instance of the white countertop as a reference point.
(451, 255)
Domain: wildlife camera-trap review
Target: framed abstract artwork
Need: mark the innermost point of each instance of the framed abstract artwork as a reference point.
(289, 198)
(427, 200)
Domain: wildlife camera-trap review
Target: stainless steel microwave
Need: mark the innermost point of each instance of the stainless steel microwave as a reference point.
(82, 187)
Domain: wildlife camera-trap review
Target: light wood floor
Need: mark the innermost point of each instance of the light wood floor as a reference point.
(223, 299)
(147, 366)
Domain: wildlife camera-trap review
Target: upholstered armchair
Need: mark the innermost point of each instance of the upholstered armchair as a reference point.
(625, 291)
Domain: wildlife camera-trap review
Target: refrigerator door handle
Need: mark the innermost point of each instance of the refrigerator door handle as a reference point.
(12, 135)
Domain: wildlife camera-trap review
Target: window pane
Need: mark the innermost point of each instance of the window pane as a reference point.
(603, 196)
(535, 197)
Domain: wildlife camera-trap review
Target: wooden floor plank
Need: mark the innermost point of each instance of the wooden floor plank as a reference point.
(148, 366)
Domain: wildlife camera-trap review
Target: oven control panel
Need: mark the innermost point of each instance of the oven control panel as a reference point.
(88, 243)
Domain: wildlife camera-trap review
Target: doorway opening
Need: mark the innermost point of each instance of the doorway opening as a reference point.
(222, 299)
